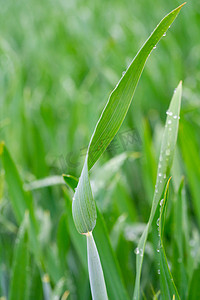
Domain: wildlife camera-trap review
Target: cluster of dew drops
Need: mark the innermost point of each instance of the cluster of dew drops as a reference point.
(164, 34)
(158, 223)
(139, 251)
(170, 113)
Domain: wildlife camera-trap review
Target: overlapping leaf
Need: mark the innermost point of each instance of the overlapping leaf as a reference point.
(168, 288)
(113, 277)
(165, 162)
(83, 206)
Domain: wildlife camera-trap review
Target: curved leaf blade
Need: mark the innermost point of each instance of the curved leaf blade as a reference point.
(83, 205)
(121, 97)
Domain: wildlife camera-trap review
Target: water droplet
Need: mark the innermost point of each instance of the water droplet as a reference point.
(158, 271)
(170, 129)
(137, 251)
(169, 122)
(164, 176)
(167, 152)
(179, 118)
(141, 252)
(123, 73)
(159, 166)
(156, 191)
(158, 250)
(154, 47)
(175, 117)
(159, 174)
(73, 198)
(164, 34)
(158, 222)
(161, 202)
(169, 113)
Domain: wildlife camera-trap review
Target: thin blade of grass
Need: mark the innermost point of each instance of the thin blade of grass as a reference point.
(168, 288)
(97, 283)
(19, 274)
(194, 291)
(20, 199)
(165, 162)
(190, 150)
(114, 282)
(181, 243)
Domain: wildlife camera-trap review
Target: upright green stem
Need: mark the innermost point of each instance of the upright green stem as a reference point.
(97, 282)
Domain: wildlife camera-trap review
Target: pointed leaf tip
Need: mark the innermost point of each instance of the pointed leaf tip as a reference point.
(180, 6)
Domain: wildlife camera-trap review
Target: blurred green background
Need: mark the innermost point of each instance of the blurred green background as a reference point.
(59, 61)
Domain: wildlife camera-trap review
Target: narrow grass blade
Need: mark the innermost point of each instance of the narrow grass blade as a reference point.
(42, 183)
(113, 277)
(181, 251)
(168, 288)
(96, 276)
(19, 276)
(62, 241)
(149, 162)
(20, 199)
(165, 162)
(194, 291)
(35, 287)
(190, 150)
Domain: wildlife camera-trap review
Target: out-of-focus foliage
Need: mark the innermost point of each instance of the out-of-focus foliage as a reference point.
(59, 60)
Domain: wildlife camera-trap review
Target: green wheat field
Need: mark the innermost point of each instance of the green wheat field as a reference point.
(99, 168)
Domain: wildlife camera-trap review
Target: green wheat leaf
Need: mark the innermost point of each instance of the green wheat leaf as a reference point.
(168, 288)
(83, 206)
(19, 274)
(165, 162)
